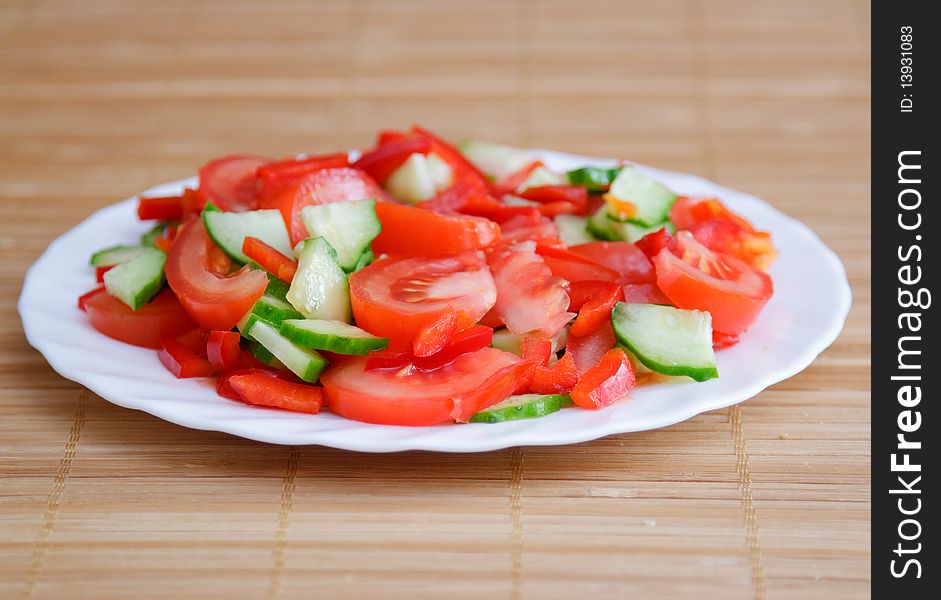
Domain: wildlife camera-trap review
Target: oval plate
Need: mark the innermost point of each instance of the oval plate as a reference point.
(794, 328)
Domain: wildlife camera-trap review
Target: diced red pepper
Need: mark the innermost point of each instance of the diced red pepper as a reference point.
(222, 350)
(160, 208)
(193, 202)
(593, 300)
(261, 389)
(460, 166)
(464, 342)
(553, 209)
(510, 183)
(652, 243)
(100, 272)
(574, 267)
(723, 340)
(560, 378)
(183, 362)
(437, 333)
(608, 381)
(575, 195)
(537, 349)
(388, 135)
(382, 161)
(270, 259)
(645, 293)
(84, 297)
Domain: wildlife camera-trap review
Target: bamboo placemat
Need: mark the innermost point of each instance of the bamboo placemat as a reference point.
(769, 499)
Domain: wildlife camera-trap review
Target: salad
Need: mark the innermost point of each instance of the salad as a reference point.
(419, 283)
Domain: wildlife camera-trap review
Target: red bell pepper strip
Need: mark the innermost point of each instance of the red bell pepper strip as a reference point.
(652, 243)
(262, 390)
(537, 349)
(160, 208)
(560, 378)
(84, 297)
(575, 195)
(270, 259)
(593, 300)
(195, 339)
(464, 342)
(606, 382)
(388, 135)
(462, 168)
(437, 333)
(510, 183)
(382, 161)
(723, 340)
(100, 272)
(162, 243)
(553, 209)
(183, 362)
(222, 350)
(276, 177)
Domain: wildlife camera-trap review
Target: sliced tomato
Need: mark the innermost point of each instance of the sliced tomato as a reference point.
(558, 378)
(723, 340)
(396, 297)
(383, 160)
(593, 300)
(222, 350)
(530, 299)
(575, 267)
(275, 177)
(588, 350)
(722, 230)
(536, 349)
(605, 383)
(695, 277)
(537, 228)
(160, 208)
(270, 259)
(412, 231)
(259, 389)
(214, 302)
(456, 391)
(229, 182)
(464, 342)
(645, 293)
(161, 318)
(180, 360)
(321, 187)
(83, 299)
(624, 257)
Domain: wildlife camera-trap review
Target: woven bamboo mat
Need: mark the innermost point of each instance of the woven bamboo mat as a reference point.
(99, 99)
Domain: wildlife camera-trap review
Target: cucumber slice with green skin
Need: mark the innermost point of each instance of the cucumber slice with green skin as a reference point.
(276, 287)
(264, 356)
(365, 260)
(604, 226)
(525, 406)
(136, 281)
(413, 181)
(573, 230)
(114, 255)
(270, 309)
(153, 233)
(306, 364)
(652, 199)
(594, 179)
(333, 336)
(495, 160)
(667, 340)
(349, 227)
(542, 176)
(320, 289)
(229, 230)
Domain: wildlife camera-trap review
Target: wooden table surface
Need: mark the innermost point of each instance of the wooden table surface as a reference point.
(100, 99)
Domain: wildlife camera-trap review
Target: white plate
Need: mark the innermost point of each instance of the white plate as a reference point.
(811, 300)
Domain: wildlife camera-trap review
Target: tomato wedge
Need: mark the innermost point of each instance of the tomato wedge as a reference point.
(587, 350)
(722, 230)
(396, 297)
(733, 291)
(530, 299)
(456, 391)
(624, 257)
(163, 317)
(411, 231)
(229, 182)
(214, 302)
(606, 382)
(321, 187)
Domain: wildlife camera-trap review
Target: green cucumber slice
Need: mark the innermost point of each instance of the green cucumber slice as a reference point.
(114, 255)
(320, 289)
(573, 230)
(525, 406)
(333, 336)
(495, 160)
(276, 287)
(153, 233)
(542, 176)
(270, 309)
(652, 199)
(349, 227)
(594, 179)
(667, 340)
(442, 175)
(365, 260)
(604, 226)
(306, 364)
(137, 280)
(229, 230)
(413, 181)
(264, 356)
